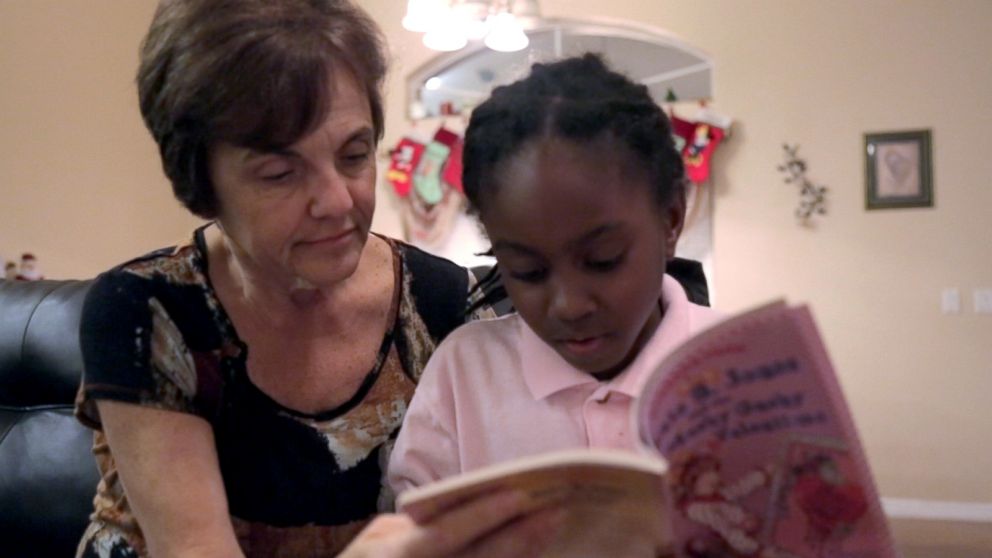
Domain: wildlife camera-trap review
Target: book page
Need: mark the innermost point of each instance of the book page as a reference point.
(764, 457)
(614, 500)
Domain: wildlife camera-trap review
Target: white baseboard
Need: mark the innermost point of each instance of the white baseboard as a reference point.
(908, 508)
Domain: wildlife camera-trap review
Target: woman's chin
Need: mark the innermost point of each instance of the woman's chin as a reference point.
(315, 277)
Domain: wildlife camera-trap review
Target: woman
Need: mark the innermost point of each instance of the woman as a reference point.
(245, 386)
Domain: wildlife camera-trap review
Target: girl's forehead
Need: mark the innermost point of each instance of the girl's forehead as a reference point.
(555, 193)
(548, 173)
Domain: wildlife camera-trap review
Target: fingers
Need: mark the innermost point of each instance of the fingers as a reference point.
(483, 520)
(529, 535)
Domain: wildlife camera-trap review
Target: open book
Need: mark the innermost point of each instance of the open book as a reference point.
(749, 449)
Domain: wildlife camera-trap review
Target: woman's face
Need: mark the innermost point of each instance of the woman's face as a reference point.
(302, 215)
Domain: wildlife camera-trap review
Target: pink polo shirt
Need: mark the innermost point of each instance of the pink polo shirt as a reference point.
(493, 391)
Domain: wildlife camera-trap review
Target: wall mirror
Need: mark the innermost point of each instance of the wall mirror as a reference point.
(452, 83)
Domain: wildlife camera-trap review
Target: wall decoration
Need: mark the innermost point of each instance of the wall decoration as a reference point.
(812, 197)
(696, 137)
(425, 173)
(403, 160)
(28, 269)
(898, 170)
(698, 141)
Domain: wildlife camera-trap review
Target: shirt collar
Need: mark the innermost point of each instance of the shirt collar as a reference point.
(546, 372)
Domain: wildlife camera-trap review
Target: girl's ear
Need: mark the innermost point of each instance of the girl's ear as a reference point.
(675, 219)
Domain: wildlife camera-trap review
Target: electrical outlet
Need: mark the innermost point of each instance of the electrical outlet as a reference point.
(982, 299)
(950, 301)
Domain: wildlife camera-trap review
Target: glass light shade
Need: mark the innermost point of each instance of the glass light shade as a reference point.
(445, 35)
(506, 34)
(421, 15)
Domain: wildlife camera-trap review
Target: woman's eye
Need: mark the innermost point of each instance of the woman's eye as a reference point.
(356, 158)
(277, 176)
(275, 170)
(530, 276)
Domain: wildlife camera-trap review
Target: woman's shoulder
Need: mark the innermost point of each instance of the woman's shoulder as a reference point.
(172, 278)
(423, 265)
(436, 289)
(181, 263)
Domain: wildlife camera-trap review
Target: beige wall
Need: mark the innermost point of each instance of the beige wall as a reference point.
(79, 176)
(81, 185)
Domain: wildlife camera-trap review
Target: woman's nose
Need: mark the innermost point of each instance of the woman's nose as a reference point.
(329, 194)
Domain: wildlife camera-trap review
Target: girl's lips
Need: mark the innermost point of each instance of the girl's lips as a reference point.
(583, 346)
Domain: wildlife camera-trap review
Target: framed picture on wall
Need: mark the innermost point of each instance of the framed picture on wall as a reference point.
(898, 170)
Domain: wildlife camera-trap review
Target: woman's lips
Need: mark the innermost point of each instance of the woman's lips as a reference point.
(330, 240)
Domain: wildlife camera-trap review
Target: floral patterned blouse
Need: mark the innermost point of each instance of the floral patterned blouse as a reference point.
(155, 334)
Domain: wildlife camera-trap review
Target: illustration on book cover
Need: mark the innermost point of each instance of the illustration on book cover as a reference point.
(763, 459)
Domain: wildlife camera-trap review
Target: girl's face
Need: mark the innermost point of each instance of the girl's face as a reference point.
(303, 214)
(582, 244)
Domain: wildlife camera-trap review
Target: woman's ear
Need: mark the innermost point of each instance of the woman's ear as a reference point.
(675, 220)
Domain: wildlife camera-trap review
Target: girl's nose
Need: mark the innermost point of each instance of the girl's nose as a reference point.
(329, 194)
(571, 302)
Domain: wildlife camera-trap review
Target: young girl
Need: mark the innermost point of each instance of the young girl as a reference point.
(575, 177)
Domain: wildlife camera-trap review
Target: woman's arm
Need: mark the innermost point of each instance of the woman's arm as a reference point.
(168, 466)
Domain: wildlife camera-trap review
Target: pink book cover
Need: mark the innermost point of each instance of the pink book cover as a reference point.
(764, 458)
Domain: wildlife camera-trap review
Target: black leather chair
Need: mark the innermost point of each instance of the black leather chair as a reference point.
(47, 472)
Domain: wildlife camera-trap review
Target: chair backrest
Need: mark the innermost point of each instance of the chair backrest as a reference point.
(47, 472)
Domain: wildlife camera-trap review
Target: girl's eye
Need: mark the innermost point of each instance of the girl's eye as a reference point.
(531, 276)
(605, 265)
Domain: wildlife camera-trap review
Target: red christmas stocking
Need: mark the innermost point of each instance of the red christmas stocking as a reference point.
(701, 140)
(452, 172)
(402, 162)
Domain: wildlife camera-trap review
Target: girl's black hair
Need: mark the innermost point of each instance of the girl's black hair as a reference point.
(579, 99)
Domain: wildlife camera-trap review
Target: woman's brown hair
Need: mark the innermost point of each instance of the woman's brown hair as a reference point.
(253, 73)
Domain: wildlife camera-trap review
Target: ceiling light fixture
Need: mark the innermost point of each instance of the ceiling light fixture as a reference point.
(450, 24)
